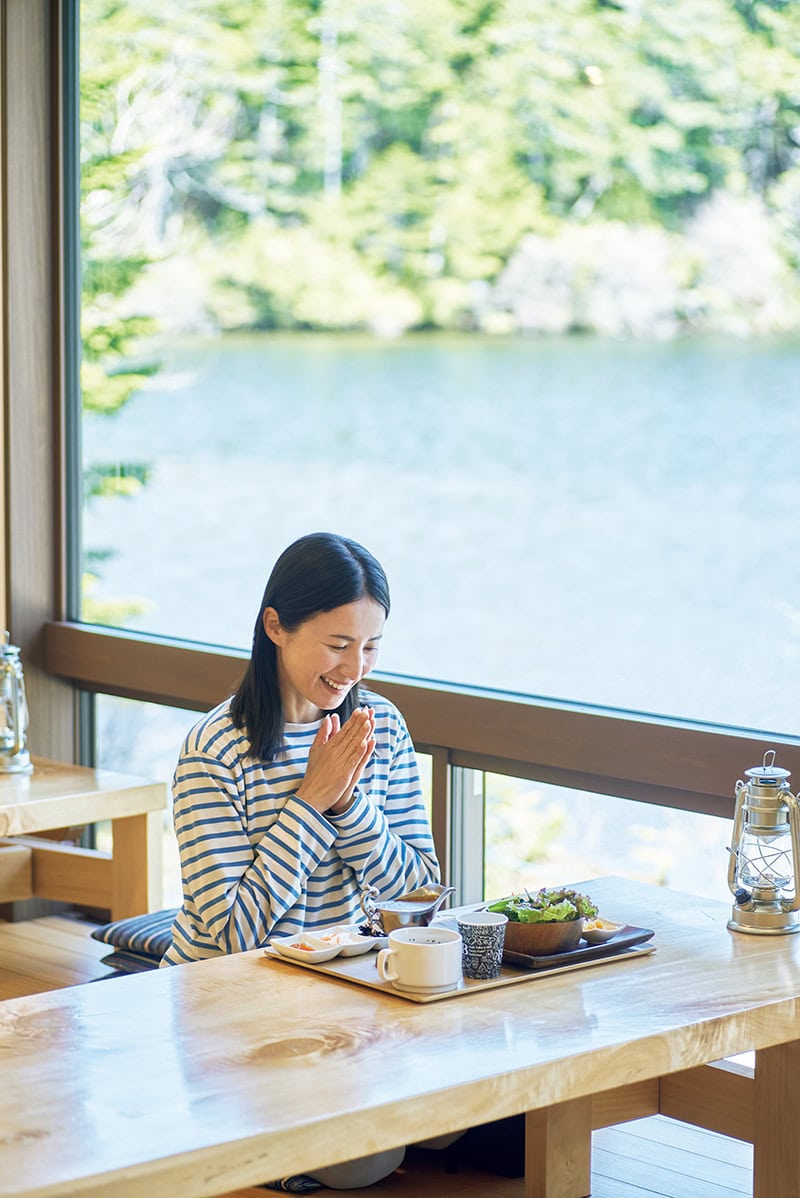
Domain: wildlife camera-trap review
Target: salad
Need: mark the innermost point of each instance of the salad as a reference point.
(545, 906)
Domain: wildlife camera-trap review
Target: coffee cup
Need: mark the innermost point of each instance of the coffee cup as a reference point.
(422, 960)
(483, 934)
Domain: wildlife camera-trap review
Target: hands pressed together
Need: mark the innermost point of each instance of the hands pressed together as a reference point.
(337, 760)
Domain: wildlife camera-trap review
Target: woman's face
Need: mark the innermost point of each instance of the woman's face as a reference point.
(323, 659)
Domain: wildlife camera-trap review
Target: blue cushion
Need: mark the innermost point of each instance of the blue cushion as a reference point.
(147, 936)
(125, 962)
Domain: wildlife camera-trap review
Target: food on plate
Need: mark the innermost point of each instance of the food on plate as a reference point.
(600, 931)
(306, 949)
(314, 948)
(339, 936)
(547, 905)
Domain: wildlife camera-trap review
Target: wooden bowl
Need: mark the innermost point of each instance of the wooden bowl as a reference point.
(542, 939)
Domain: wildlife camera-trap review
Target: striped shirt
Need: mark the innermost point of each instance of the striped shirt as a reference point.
(257, 861)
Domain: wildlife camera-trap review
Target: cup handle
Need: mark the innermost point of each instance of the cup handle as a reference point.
(383, 965)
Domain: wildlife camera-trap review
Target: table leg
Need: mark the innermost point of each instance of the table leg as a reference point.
(776, 1143)
(136, 868)
(558, 1150)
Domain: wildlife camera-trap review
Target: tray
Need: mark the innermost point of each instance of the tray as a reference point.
(626, 938)
(363, 970)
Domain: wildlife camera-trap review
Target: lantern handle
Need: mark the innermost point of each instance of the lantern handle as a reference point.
(793, 805)
(733, 847)
(771, 754)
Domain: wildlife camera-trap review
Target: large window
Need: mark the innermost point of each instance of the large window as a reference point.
(510, 297)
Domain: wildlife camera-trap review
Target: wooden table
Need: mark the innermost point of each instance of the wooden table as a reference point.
(202, 1078)
(127, 881)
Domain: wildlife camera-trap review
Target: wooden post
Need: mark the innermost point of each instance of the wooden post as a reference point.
(558, 1150)
(776, 1152)
(136, 880)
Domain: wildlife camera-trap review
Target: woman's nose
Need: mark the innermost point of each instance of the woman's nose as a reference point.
(355, 660)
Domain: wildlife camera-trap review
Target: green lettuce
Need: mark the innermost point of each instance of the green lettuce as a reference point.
(545, 906)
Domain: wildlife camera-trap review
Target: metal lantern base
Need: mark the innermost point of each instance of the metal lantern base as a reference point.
(764, 922)
(16, 763)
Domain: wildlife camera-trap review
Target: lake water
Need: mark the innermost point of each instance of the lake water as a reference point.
(614, 523)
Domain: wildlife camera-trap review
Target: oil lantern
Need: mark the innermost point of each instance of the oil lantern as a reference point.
(14, 757)
(765, 852)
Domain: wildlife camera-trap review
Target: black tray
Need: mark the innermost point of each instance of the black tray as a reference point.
(582, 951)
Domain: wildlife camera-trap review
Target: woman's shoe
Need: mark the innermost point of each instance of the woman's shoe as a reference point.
(299, 1184)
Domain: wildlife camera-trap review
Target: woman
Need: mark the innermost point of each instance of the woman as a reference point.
(294, 796)
(301, 791)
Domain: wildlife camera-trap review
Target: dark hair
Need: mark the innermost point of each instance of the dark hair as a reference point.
(317, 573)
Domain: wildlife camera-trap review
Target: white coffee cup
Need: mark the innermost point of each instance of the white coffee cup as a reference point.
(422, 960)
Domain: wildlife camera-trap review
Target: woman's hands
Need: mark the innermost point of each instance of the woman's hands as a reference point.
(336, 761)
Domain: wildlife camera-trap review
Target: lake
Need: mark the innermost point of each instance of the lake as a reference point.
(608, 522)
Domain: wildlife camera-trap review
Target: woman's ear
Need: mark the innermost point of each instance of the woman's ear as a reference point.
(272, 625)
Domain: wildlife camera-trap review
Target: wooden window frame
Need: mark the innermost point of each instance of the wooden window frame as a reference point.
(32, 354)
(671, 763)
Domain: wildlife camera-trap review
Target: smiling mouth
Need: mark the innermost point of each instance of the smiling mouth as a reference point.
(339, 687)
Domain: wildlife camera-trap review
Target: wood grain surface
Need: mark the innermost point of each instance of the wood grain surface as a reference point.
(61, 796)
(202, 1078)
(58, 795)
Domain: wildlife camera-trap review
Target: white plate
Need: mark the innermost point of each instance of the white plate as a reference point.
(311, 956)
(362, 945)
(603, 935)
(319, 951)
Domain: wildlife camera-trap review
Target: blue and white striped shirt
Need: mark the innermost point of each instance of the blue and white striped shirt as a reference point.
(257, 861)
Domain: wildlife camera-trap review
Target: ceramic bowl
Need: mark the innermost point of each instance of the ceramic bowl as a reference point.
(542, 939)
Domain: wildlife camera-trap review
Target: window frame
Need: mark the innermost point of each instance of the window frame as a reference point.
(667, 762)
(32, 390)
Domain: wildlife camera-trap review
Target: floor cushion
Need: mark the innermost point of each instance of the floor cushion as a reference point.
(139, 941)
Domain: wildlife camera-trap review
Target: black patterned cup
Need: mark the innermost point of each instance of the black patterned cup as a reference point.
(482, 934)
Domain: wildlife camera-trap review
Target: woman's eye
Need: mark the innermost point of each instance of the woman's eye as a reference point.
(341, 648)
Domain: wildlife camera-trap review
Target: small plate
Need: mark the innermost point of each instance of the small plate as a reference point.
(311, 956)
(604, 934)
(362, 945)
(355, 950)
(318, 950)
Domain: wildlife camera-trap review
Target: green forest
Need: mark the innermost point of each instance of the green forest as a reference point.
(629, 168)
